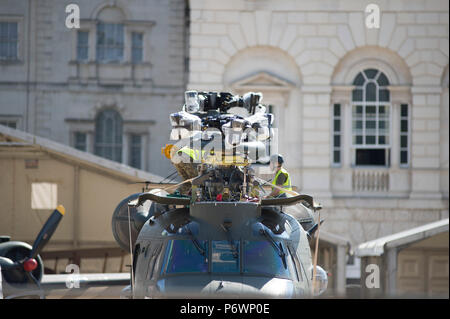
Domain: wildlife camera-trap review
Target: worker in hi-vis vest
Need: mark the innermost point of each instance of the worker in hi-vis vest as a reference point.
(282, 178)
(186, 165)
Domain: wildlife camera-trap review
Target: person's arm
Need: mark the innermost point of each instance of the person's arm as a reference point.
(280, 181)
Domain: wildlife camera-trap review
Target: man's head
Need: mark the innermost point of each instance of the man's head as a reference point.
(276, 160)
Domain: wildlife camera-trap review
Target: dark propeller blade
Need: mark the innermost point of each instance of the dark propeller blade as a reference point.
(47, 230)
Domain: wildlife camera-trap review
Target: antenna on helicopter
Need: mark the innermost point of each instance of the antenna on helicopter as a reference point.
(316, 252)
(131, 253)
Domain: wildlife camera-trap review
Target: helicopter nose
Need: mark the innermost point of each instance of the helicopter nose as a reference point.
(231, 287)
(253, 287)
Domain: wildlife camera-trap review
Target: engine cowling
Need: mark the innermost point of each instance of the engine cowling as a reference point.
(19, 251)
(138, 216)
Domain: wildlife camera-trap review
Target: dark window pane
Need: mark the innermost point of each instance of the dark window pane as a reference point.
(82, 54)
(108, 135)
(110, 42)
(83, 37)
(403, 141)
(260, 257)
(136, 55)
(182, 256)
(80, 141)
(337, 125)
(371, 111)
(371, 92)
(225, 257)
(8, 40)
(381, 124)
(337, 110)
(357, 95)
(337, 140)
(82, 45)
(359, 80)
(336, 157)
(12, 50)
(370, 139)
(3, 30)
(404, 110)
(11, 124)
(358, 139)
(404, 126)
(137, 47)
(358, 109)
(371, 157)
(384, 95)
(370, 125)
(135, 150)
(382, 80)
(371, 73)
(381, 140)
(3, 50)
(403, 157)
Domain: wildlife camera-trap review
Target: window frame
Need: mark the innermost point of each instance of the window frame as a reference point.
(105, 46)
(8, 123)
(167, 258)
(20, 38)
(407, 134)
(8, 41)
(134, 47)
(116, 146)
(132, 146)
(377, 104)
(339, 133)
(75, 140)
(290, 263)
(86, 46)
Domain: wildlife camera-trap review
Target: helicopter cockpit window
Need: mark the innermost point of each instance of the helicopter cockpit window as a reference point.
(261, 258)
(182, 256)
(225, 256)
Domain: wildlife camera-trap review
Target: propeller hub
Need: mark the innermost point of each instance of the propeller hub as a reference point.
(30, 264)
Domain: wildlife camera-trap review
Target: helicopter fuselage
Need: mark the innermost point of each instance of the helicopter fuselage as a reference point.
(222, 250)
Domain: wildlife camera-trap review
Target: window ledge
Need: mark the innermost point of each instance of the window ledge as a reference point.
(11, 61)
(110, 63)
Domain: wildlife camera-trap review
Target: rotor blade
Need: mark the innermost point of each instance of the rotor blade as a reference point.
(160, 200)
(144, 182)
(286, 201)
(47, 230)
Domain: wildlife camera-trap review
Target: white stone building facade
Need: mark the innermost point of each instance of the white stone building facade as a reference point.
(106, 88)
(362, 113)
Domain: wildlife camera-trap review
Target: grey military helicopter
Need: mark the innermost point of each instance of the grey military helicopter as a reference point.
(223, 238)
(21, 266)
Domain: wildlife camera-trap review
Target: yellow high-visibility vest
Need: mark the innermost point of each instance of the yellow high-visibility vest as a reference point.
(287, 183)
(194, 154)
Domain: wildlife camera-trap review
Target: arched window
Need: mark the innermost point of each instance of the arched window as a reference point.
(108, 135)
(371, 118)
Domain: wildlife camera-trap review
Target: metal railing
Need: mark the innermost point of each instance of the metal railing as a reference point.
(75, 255)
